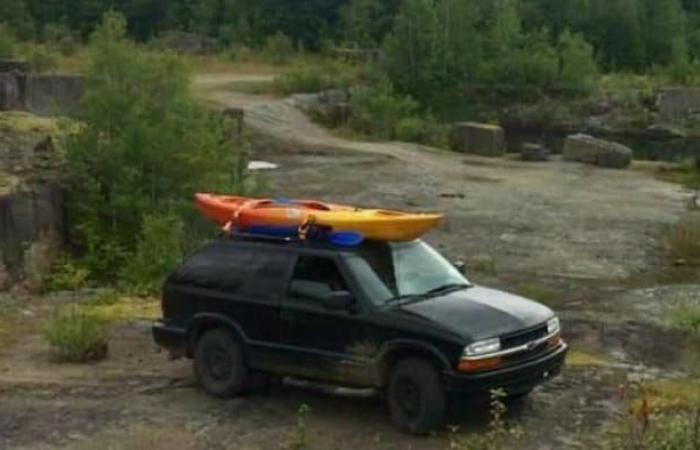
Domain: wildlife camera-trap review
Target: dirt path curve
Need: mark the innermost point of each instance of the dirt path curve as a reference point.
(556, 218)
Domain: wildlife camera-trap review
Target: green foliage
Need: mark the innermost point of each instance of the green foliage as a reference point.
(686, 318)
(7, 43)
(577, 66)
(423, 131)
(158, 250)
(539, 293)
(143, 145)
(66, 275)
(413, 50)
(76, 336)
(299, 437)
(60, 37)
(41, 59)
(279, 48)
(311, 79)
(376, 110)
(366, 22)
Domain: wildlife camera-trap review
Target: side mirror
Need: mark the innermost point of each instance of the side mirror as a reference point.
(461, 266)
(339, 301)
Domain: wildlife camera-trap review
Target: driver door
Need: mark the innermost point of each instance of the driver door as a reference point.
(319, 340)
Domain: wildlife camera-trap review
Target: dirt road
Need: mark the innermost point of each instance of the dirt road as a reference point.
(592, 240)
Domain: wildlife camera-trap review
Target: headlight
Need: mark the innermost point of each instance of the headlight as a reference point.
(483, 347)
(553, 325)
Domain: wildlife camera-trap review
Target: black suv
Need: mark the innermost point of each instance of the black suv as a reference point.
(395, 317)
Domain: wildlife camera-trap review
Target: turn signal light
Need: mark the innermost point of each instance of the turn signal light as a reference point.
(478, 365)
(554, 341)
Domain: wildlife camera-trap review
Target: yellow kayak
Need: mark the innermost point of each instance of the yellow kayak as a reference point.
(374, 224)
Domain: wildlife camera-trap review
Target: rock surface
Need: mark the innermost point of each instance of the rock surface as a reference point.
(587, 149)
(10, 98)
(534, 152)
(478, 139)
(676, 104)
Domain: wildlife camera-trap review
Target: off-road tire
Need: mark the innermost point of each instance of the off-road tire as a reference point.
(416, 396)
(219, 364)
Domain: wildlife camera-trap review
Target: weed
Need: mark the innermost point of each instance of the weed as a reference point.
(298, 440)
(498, 436)
(687, 318)
(649, 427)
(540, 293)
(76, 336)
(582, 358)
(483, 264)
(684, 241)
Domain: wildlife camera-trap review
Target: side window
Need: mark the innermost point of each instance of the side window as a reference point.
(257, 275)
(266, 276)
(314, 279)
(216, 267)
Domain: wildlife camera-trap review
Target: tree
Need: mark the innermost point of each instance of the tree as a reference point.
(666, 22)
(365, 23)
(463, 42)
(577, 65)
(413, 50)
(143, 146)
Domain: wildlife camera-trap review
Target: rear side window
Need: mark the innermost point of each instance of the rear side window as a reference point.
(257, 274)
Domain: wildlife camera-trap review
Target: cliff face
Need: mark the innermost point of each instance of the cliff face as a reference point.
(32, 222)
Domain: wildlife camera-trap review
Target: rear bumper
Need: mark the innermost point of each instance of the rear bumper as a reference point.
(171, 338)
(514, 380)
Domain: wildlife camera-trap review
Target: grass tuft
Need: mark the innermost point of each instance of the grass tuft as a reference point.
(74, 335)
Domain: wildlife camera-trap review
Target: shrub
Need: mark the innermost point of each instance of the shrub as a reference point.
(66, 275)
(686, 318)
(376, 110)
(299, 80)
(423, 131)
(158, 250)
(278, 48)
(311, 79)
(60, 37)
(410, 129)
(7, 43)
(76, 336)
(41, 59)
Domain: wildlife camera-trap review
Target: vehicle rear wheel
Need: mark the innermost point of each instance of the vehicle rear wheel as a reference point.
(219, 365)
(416, 396)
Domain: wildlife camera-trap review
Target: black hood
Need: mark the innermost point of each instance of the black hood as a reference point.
(481, 313)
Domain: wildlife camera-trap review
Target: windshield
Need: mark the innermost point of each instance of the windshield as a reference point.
(400, 270)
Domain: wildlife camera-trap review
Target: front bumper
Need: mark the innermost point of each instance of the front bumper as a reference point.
(514, 380)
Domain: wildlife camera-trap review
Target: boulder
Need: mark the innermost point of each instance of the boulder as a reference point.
(590, 150)
(677, 103)
(534, 152)
(478, 139)
(581, 148)
(664, 133)
(614, 156)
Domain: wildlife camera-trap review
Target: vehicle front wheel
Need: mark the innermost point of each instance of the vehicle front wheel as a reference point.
(416, 396)
(219, 365)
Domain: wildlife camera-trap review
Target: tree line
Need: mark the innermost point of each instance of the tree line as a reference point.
(625, 34)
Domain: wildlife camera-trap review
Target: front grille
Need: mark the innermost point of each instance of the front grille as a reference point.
(523, 337)
(525, 355)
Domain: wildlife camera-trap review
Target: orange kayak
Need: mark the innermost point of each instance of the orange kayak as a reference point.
(376, 224)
